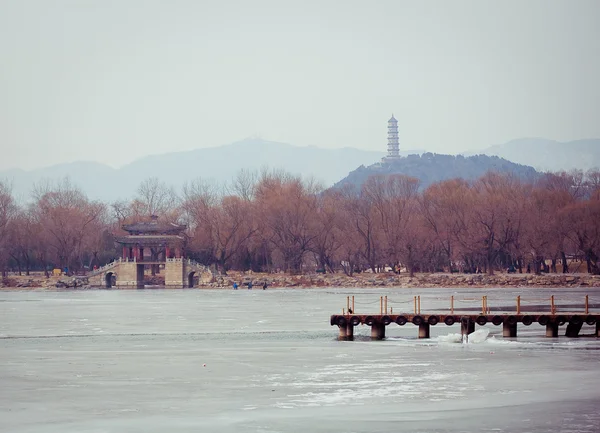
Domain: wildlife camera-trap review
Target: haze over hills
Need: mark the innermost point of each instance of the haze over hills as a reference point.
(220, 164)
(95, 179)
(548, 155)
(430, 168)
(329, 166)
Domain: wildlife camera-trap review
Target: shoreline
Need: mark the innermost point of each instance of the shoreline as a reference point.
(319, 281)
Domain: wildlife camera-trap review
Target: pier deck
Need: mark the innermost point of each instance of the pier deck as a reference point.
(574, 319)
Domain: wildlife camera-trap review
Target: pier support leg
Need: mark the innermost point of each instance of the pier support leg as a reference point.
(349, 331)
(424, 330)
(573, 330)
(552, 329)
(597, 328)
(509, 330)
(343, 335)
(377, 331)
(467, 326)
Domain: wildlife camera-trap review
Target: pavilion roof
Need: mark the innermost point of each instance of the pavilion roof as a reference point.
(154, 227)
(150, 239)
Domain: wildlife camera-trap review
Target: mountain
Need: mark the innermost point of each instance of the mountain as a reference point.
(220, 164)
(328, 166)
(92, 177)
(548, 155)
(430, 168)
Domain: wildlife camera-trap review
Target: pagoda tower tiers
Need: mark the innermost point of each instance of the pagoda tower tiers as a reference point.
(152, 242)
(393, 148)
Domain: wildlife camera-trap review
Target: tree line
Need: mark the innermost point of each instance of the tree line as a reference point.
(271, 220)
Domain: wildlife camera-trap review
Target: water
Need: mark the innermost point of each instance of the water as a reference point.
(268, 361)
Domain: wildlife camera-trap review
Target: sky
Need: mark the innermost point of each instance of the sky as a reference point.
(114, 80)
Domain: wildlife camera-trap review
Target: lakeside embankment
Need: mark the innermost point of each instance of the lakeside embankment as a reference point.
(363, 280)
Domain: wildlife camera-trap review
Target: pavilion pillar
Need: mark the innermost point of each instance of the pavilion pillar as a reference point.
(125, 252)
(167, 252)
(178, 253)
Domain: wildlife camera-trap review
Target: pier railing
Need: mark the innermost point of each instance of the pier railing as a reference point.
(386, 306)
(468, 312)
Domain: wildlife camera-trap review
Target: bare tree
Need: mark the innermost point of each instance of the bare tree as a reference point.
(286, 208)
(156, 198)
(395, 203)
(584, 230)
(360, 240)
(244, 184)
(24, 239)
(442, 206)
(327, 242)
(8, 209)
(67, 218)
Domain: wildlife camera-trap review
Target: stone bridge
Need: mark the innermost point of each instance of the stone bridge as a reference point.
(129, 273)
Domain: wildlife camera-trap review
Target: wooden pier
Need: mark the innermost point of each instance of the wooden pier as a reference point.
(551, 316)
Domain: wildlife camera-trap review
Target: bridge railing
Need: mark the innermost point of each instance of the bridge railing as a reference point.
(195, 264)
(105, 268)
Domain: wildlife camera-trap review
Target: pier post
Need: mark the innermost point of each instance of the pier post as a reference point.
(424, 330)
(467, 326)
(509, 330)
(552, 329)
(343, 332)
(377, 331)
(597, 328)
(573, 330)
(349, 331)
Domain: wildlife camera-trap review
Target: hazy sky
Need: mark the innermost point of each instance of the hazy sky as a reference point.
(114, 80)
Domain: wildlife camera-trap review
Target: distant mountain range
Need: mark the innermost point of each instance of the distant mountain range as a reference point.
(220, 164)
(430, 168)
(328, 166)
(548, 155)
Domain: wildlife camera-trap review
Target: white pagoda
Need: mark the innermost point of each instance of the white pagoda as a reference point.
(393, 147)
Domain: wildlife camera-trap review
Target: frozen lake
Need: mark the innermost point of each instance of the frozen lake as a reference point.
(268, 361)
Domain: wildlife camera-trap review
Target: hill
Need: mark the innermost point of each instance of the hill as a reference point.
(220, 164)
(548, 155)
(430, 168)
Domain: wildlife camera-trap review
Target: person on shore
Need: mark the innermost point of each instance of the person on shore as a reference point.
(265, 285)
(249, 285)
(235, 285)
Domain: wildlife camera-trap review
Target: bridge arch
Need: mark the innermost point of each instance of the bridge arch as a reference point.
(110, 279)
(191, 279)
